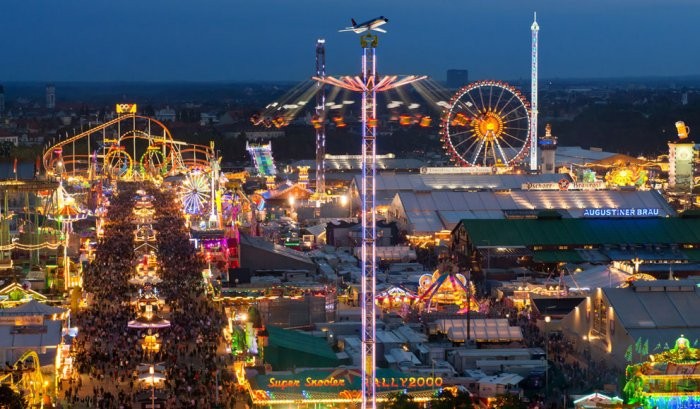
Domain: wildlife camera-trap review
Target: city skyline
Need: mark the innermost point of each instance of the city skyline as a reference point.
(274, 40)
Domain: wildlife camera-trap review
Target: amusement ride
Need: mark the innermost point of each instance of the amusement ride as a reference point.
(485, 124)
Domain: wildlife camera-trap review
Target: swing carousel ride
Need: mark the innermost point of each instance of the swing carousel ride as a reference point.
(447, 287)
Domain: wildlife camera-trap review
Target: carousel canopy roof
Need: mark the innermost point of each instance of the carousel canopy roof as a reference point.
(154, 322)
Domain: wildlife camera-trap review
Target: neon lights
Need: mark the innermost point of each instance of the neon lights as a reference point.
(125, 109)
(621, 212)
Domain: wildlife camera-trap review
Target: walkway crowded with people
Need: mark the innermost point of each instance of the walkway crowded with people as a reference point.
(107, 353)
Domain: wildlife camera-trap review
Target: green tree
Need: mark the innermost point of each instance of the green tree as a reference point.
(11, 399)
(401, 401)
(508, 401)
(445, 399)
(463, 400)
(6, 148)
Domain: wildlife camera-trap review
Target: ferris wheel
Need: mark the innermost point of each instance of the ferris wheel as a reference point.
(195, 192)
(486, 123)
(118, 163)
(153, 162)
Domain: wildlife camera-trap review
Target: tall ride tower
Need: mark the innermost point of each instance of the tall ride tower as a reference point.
(534, 29)
(369, 219)
(320, 120)
(369, 84)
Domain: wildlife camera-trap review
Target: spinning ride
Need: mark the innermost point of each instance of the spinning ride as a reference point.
(447, 288)
(486, 123)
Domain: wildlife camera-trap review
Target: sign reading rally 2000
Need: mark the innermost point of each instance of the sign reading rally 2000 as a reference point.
(621, 212)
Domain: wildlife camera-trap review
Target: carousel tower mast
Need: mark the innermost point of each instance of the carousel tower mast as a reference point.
(369, 226)
(534, 29)
(369, 84)
(321, 117)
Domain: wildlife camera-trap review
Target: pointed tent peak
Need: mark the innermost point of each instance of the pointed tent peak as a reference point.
(68, 211)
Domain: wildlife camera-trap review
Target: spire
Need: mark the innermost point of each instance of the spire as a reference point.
(535, 26)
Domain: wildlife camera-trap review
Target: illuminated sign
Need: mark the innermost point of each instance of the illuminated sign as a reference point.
(22, 320)
(564, 184)
(471, 170)
(333, 382)
(621, 212)
(126, 108)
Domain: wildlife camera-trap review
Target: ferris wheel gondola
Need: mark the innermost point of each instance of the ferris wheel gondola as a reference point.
(486, 123)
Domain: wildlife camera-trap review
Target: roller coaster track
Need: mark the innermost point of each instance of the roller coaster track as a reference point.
(49, 151)
(25, 378)
(166, 138)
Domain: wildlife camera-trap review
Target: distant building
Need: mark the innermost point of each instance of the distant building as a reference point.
(680, 158)
(166, 114)
(50, 96)
(12, 139)
(548, 146)
(457, 78)
(652, 313)
(261, 135)
(2, 100)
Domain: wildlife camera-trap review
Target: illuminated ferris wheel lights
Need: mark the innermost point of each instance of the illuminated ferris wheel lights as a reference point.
(487, 123)
(195, 191)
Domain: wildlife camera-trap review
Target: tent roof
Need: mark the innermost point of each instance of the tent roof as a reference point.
(657, 305)
(554, 232)
(36, 336)
(16, 286)
(33, 307)
(596, 277)
(299, 341)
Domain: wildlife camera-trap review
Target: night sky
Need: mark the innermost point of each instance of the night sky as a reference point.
(234, 40)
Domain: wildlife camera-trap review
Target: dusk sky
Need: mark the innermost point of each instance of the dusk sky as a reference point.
(234, 40)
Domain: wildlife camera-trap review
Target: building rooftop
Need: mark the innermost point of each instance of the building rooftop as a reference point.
(658, 311)
(434, 210)
(579, 232)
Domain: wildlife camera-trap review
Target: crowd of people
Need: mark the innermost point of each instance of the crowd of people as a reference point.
(106, 353)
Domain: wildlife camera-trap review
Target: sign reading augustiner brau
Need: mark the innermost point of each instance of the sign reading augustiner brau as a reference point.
(621, 212)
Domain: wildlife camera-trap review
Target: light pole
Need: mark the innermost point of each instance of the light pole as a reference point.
(547, 320)
(488, 257)
(291, 200)
(152, 372)
(344, 202)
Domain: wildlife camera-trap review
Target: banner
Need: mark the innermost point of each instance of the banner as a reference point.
(126, 109)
